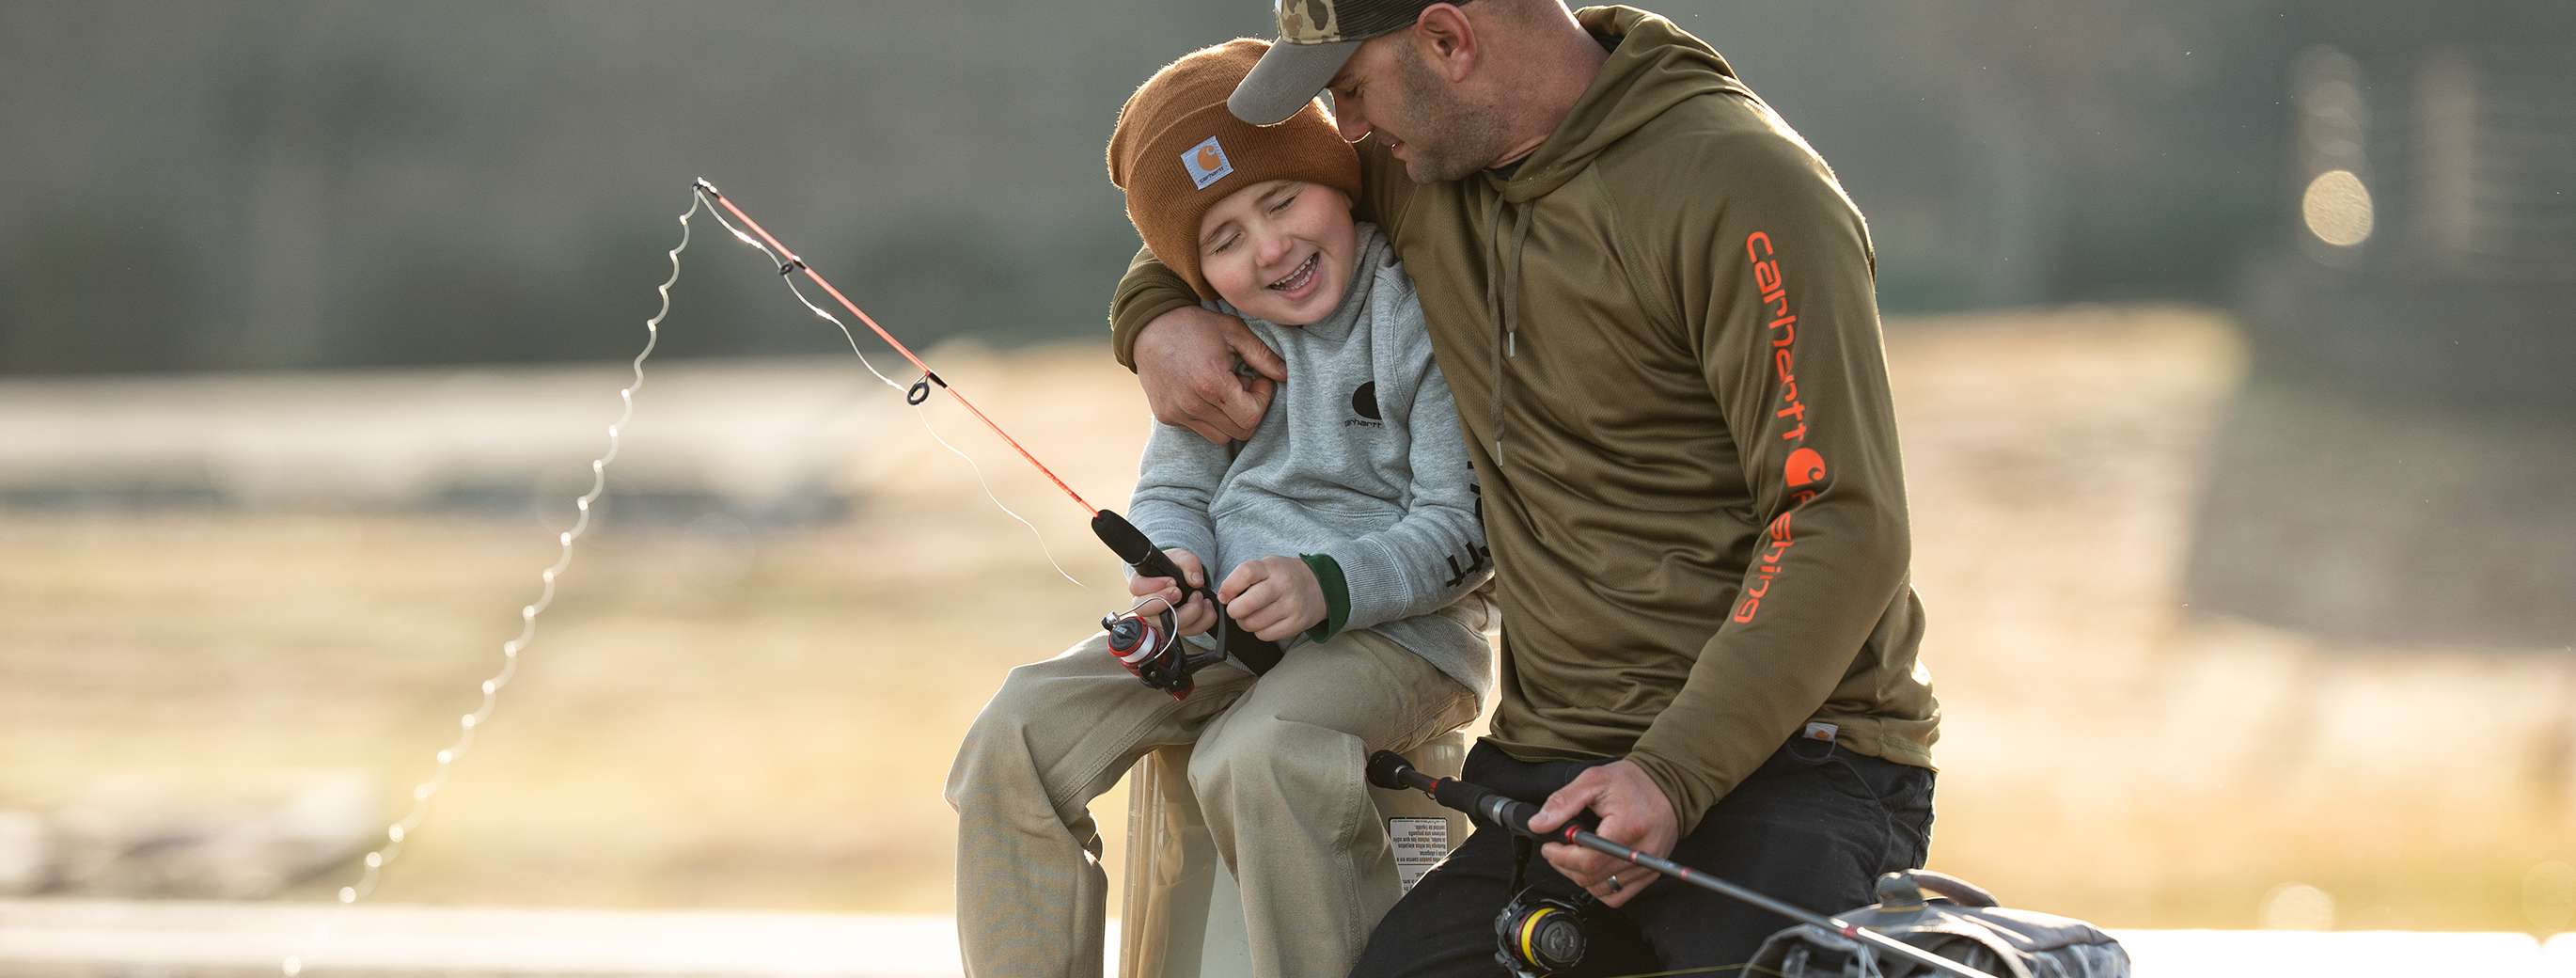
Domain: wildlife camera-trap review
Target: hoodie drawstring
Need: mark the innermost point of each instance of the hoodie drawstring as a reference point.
(1503, 301)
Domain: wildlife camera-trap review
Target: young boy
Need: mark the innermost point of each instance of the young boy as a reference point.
(1348, 521)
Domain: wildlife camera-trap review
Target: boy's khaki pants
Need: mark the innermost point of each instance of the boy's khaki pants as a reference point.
(1279, 770)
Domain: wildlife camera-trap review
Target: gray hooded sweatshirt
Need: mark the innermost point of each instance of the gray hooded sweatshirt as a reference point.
(1360, 460)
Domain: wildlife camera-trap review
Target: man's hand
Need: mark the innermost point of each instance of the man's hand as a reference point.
(1634, 813)
(1185, 361)
(1195, 615)
(1275, 597)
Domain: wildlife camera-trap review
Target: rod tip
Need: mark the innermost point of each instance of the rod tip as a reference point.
(707, 188)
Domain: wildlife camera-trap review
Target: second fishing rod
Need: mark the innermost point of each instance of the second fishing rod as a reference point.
(1544, 940)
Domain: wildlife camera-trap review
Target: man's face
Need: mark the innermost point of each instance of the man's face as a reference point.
(1280, 250)
(1388, 90)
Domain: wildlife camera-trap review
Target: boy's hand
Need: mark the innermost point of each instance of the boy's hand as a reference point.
(1275, 597)
(1185, 361)
(1195, 615)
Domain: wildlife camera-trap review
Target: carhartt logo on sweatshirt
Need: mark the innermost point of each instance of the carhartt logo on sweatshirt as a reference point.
(1364, 404)
(1206, 162)
(1803, 474)
(1806, 467)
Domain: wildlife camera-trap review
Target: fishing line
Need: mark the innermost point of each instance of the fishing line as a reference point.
(792, 263)
(929, 377)
(1172, 637)
(399, 832)
(1132, 547)
(377, 859)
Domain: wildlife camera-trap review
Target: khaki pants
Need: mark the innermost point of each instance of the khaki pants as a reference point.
(1279, 769)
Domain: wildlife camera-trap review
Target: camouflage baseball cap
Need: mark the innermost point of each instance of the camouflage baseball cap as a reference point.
(1315, 38)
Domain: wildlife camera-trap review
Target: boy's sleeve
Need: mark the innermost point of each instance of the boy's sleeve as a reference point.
(1776, 290)
(1176, 478)
(1149, 290)
(1435, 553)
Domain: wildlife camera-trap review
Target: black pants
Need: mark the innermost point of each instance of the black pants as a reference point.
(1813, 826)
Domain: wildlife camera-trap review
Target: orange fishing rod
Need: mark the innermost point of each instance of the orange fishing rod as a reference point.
(793, 264)
(1170, 673)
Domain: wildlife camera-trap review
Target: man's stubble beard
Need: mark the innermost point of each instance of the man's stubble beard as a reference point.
(1447, 136)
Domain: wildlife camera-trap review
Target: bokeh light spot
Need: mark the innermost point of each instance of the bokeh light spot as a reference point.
(2298, 906)
(2337, 208)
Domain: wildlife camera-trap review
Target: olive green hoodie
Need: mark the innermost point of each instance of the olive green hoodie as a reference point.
(1662, 332)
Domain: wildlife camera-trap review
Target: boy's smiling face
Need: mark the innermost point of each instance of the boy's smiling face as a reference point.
(1280, 250)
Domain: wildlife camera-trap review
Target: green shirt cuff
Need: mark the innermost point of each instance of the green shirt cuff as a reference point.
(1337, 596)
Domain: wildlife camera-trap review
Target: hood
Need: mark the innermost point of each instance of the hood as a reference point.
(1653, 66)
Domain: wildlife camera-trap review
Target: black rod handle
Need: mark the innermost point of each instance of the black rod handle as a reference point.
(1387, 769)
(1131, 546)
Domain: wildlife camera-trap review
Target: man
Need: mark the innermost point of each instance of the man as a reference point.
(1655, 306)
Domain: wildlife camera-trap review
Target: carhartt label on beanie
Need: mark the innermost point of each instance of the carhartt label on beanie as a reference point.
(1177, 151)
(1206, 162)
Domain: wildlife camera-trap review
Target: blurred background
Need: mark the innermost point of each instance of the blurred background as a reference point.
(2231, 342)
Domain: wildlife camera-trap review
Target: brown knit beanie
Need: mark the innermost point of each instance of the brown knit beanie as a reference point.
(1176, 151)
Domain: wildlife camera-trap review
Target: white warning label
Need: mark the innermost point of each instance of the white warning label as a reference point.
(1420, 843)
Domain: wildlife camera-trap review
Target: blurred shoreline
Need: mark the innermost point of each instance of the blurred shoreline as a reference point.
(730, 711)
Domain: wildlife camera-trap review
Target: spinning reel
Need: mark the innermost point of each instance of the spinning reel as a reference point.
(1538, 934)
(1153, 650)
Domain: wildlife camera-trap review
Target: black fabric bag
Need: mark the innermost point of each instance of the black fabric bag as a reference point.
(1958, 921)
